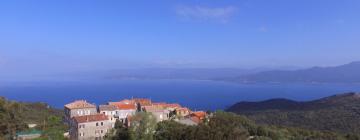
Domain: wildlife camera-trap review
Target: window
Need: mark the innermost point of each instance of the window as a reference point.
(82, 134)
(97, 124)
(102, 123)
(101, 131)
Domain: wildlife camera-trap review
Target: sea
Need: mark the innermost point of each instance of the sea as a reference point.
(195, 94)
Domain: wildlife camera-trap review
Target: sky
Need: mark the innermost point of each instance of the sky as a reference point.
(55, 36)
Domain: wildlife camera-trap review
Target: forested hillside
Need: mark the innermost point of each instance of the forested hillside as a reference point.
(15, 117)
(219, 126)
(339, 113)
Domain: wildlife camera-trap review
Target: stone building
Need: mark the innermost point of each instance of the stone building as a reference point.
(78, 108)
(90, 127)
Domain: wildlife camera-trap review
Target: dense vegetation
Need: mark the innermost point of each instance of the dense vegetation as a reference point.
(15, 117)
(339, 113)
(220, 126)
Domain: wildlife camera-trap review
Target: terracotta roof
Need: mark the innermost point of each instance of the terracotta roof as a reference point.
(142, 102)
(107, 107)
(199, 114)
(183, 109)
(126, 101)
(80, 104)
(165, 105)
(90, 118)
(173, 105)
(126, 106)
(160, 103)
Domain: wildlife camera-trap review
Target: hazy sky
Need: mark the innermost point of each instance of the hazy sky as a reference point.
(72, 35)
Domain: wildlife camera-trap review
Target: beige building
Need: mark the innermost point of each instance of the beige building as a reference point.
(159, 113)
(78, 108)
(90, 127)
(110, 111)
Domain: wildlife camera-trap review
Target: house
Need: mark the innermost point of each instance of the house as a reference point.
(126, 101)
(140, 103)
(78, 108)
(182, 112)
(89, 127)
(173, 106)
(124, 110)
(198, 116)
(159, 113)
(110, 111)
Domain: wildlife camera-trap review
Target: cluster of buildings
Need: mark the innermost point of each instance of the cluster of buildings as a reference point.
(88, 121)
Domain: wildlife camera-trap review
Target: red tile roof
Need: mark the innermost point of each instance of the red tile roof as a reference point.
(173, 105)
(183, 109)
(90, 118)
(160, 103)
(126, 106)
(142, 102)
(199, 114)
(107, 107)
(79, 104)
(126, 101)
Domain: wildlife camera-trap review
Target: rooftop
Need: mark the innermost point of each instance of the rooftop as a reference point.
(80, 104)
(126, 106)
(154, 109)
(90, 118)
(107, 107)
(142, 101)
(199, 114)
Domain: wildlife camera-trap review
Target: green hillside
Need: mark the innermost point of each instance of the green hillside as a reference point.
(15, 117)
(338, 113)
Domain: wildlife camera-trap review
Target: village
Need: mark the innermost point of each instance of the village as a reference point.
(89, 121)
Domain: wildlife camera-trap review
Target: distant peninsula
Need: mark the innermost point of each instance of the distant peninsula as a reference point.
(348, 73)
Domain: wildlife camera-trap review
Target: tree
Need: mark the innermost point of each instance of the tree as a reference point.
(142, 126)
(120, 132)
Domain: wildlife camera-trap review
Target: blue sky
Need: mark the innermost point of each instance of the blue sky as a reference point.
(79, 35)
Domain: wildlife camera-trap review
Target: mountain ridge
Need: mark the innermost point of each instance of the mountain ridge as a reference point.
(340, 113)
(347, 73)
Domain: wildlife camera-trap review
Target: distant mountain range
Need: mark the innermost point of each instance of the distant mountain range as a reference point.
(348, 73)
(178, 73)
(339, 113)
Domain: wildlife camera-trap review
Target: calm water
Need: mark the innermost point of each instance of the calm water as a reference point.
(208, 95)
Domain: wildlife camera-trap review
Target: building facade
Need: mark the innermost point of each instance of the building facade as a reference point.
(90, 127)
(78, 108)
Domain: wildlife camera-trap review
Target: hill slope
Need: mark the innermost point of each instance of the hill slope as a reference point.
(348, 73)
(14, 116)
(340, 113)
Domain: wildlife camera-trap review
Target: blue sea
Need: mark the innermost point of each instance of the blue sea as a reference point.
(195, 94)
